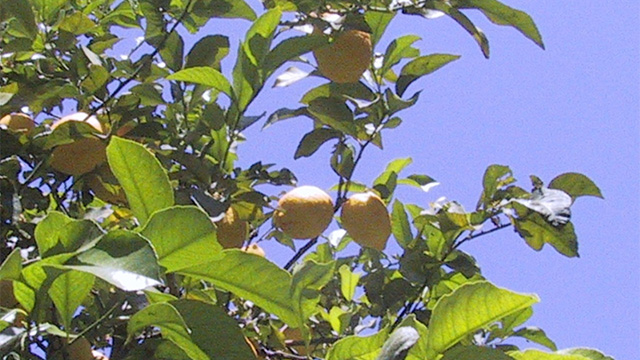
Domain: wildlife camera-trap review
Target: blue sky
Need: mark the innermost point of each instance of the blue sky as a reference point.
(574, 107)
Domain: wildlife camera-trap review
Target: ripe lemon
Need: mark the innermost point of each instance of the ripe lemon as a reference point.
(254, 249)
(18, 122)
(232, 232)
(105, 186)
(304, 212)
(82, 155)
(346, 58)
(366, 220)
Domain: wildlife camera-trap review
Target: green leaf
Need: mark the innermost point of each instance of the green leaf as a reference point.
(312, 141)
(419, 67)
(419, 349)
(206, 76)
(348, 282)
(305, 283)
(289, 49)
(68, 291)
(502, 14)
(466, 24)
(537, 231)
(358, 347)
(172, 326)
(96, 79)
(251, 277)
(333, 113)
(575, 185)
(470, 352)
(77, 23)
(378, 22)
(208, 51)
(231, 9)
(58, 233)
(23, 24)
(536, 335)
(223, 340)
(260, 35)
(400, 226)
(180, 235)
(12, 266)
(469, 308)
(591, 354)
(142, 177)
(532, 354)
(122, 258)
(399, 49)
(172, 51)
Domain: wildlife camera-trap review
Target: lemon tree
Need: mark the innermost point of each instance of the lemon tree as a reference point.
(131, 230)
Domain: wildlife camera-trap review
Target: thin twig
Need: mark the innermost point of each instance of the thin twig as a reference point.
(301, 252)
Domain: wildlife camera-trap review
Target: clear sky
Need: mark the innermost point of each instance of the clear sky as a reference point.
(574, 107)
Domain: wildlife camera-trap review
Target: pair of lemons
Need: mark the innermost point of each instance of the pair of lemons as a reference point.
(306, 211)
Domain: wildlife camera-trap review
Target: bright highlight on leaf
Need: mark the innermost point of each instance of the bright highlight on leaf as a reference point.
(469, 308)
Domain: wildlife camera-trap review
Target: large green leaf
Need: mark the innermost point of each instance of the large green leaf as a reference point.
(419, 349)
(58, 233)
(313, 140)
(289, 49)
(68, 291)
(204, 75)
(260, 34)
(251, 277)
(358, 347)
(307, 280)
(180, 235)
(334, 113)
(536, 335)
(122, 258)
(400, 226)
(419, 67)
(575, 185)
(213, 331)
(469, 308)
(591, 354)
(12, 266)
(532, 354)
(145, 182)
(24, 23)
(470, 352)
(172, 51)
(399, 49)
(348, 282)
(208, 51)
(502, 14)
(378, 22)
(537, 231)
(172, 326)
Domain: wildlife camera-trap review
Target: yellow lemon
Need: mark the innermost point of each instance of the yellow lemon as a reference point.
(232, 232)
(304, 212)
(346, 58)
(18, 122)
(254, 249)
(82, 155)
(366, 219)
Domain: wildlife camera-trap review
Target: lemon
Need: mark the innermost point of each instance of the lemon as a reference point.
(82, 155)
(232, 231)
(254, 249)
(346, 58)
(304, 212)
(365, 218)
(18, 122)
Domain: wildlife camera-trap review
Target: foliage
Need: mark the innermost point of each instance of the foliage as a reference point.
(147, 278)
